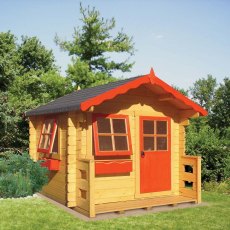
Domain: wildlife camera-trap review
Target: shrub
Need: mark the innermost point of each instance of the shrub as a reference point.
(213, 186)
(203, 141)
(15, 185)
(20, 176)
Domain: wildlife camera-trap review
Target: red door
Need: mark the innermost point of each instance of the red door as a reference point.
(155, 154)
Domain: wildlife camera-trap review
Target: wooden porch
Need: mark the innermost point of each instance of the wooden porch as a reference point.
(142, 203)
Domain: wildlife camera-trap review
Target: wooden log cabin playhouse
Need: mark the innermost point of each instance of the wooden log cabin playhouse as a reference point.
(117, 146)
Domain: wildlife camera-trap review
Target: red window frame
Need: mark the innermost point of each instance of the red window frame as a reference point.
(96, 135)
(52, 134)
(155, 135)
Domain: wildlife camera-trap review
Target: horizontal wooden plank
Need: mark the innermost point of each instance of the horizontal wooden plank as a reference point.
(113, 199)
(113, 192)
(52, 191)
(58, 199)
(82, 203)
(72, 177)
(113, 184)
(82, 211)
(58, 178)
(188, 193)
(114, 177)
(82, 165)
(141, 203)
(188, 176)
(82, 184)
(71, 187)
(71, 204)
(71, 196)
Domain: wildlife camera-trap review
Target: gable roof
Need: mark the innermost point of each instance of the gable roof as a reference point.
(85, 98)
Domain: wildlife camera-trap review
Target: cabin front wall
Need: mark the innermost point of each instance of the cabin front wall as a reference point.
(117, 188)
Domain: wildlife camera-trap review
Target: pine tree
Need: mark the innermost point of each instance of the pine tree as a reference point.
(91, 44)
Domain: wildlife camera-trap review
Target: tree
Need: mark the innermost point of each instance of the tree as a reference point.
(33, 56)
(181, 90)
(8, 59)
(203, 92)
(220, 118)
(90, 46)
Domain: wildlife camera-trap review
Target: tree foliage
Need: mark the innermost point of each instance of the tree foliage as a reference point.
(202, 140)
(91, 44)
(220, 118)
(33, 56)
(203, 91)
(8, 59)
(28, 78)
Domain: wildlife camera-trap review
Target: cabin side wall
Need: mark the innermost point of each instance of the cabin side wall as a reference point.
(57, 185)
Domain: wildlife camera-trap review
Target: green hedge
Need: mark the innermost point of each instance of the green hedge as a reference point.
(20, 176)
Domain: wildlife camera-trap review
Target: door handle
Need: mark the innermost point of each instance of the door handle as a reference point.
(142, 154)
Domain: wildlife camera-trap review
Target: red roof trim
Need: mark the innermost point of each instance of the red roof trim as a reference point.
(149, 78)
(114, 92)
(180, 96)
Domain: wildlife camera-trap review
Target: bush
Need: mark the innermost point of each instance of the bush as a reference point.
(20, 176)
(213, 186)
(203, 141)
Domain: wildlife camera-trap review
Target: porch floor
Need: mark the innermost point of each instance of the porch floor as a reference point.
(142, 203)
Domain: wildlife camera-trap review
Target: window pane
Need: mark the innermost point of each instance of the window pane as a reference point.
(121, 143)
(55, 145)
(119, 126)
(148, 127)
(103, 125)
(105, 143)
(148, 143)
(161, 143)
(45, 141)
(161, 127)
(48, 126)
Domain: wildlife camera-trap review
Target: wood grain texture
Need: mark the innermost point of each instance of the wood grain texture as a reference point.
(142, 203)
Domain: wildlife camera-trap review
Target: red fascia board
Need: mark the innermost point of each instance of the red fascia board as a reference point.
(180, 96)
(149, 78)
(114, 92)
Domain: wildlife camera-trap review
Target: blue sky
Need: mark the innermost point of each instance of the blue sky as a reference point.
(182, 40)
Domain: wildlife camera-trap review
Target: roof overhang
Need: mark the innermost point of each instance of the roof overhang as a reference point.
(168, 93)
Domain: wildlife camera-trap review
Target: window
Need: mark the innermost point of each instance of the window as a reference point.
(48, 139)
(111, 135)
(155, 134)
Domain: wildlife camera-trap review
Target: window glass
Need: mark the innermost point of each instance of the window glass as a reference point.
(121, 143)
(161, 143)
(161, 127)
(105, 143)
(103, 125)
(148, 143)
(148, 127)
(55, 145)
(111, 135)
(119, 126)
(155, 134)
(48, 126)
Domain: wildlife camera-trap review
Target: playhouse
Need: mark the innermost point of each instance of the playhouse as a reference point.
(117, 146)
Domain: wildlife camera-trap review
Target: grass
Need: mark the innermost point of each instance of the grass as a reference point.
(36, 213)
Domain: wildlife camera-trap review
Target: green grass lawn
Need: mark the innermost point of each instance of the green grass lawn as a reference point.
(36, 213)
